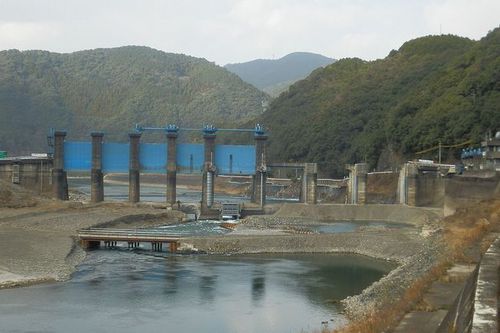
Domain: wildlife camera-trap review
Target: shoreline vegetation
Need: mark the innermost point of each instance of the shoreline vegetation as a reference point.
(464, 236)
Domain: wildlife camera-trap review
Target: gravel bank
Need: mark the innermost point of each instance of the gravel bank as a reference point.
(37, 244)
(414, 249)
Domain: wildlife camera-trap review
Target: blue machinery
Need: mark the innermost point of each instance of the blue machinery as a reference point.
(207, 129)
(171, 157)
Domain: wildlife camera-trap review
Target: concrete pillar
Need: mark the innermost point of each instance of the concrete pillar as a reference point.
(173, 247)
(310, 182)
(357, 183)
(209, 169)
(59, 178)
(260, 178)
(134, 186)
(402, 186)
(88, 245)
(362, 174)
(96, 177)
(171, 165)
(411, 184)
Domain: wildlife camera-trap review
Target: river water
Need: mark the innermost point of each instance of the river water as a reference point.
(119, 192)
(154, 193)
(129, 291)
(124, 290)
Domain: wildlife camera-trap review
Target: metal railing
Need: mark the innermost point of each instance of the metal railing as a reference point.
(106, 233)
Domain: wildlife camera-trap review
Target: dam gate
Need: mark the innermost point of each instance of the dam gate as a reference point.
(209, 159)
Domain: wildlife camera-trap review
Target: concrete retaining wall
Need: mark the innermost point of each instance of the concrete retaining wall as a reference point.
(459, 316)
(34, 174)
(382, 187)
(485, 319)
(430, 189)
(475, 309)
(466, 190)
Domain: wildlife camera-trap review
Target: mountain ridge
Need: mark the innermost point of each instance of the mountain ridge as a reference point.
(435, 88)
(111, 89)
(275, 75)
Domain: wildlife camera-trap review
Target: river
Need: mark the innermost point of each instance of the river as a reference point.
(124, 290)
(154, 193)
(134, 291)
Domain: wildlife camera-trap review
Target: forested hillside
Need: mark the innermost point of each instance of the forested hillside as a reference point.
(275, 75)
(436, 88)
(112, 89)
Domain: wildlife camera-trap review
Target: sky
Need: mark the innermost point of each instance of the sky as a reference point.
(230, 31)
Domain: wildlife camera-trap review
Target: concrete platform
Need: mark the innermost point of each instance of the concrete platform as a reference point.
(440, 299)
(441, 295)
(460, 272)
(421, 322)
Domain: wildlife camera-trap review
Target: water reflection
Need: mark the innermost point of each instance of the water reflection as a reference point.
(129, 292)
(258, 289)
(207, 289)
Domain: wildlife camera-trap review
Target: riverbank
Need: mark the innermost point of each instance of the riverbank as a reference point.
(413, 249)
(37, 243)
(37, 238)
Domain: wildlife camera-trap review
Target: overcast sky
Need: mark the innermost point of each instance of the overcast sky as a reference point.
(226, 31)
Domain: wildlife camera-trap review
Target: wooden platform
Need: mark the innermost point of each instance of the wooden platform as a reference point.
(92, 237)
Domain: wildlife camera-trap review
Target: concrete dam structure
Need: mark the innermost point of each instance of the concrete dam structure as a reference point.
(209, 159)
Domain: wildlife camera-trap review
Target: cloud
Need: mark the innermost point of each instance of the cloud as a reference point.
(240, 30)
(471, 19)
(21, 34)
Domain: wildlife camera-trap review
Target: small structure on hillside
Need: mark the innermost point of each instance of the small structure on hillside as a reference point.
(491, 148)
(486, 157)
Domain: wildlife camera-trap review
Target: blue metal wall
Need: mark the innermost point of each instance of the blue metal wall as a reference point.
(77, 156)
(152, 157)
(115, 157)
(237, 160)
(190, 158)
(231, 160)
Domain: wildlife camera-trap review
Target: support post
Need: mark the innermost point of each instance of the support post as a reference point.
(411, 184)
(89, 244)
(173, 247)
(59, 178)
(402, 185)
(134, 189)
(362, 174)
(171, 164)
(310, 182)
(357, 183)
(209, 169)
(96, 182)
(260, 178)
